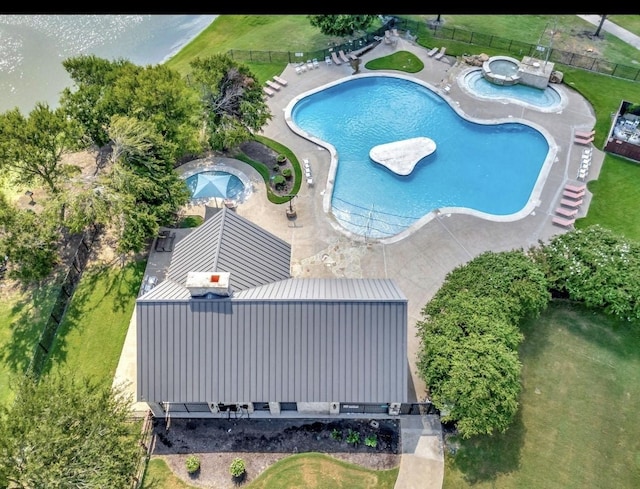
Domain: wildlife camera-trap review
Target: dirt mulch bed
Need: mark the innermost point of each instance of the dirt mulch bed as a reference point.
(262, 442)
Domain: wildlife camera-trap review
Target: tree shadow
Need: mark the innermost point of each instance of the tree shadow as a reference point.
(485, 458)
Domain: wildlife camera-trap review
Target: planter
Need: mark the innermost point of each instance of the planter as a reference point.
(281, 159)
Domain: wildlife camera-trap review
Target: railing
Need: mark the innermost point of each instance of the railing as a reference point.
(146, 447)
(67, 288)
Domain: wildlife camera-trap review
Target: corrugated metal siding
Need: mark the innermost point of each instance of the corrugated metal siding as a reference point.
(289, 351)
(230, 243)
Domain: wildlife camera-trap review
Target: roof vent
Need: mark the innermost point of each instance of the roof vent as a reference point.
(201, 284)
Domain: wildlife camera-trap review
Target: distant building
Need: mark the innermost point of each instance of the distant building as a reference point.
(229, 330)
(624, 135)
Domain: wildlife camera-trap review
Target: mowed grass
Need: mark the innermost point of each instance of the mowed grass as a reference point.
(90, 338)
(302, 471)
(578, 426)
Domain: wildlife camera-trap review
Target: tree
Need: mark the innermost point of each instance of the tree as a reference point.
(470, 337)
(32, 148)
(232, 98)
(602, 19)
(64, 431)
(341, 25)
(30, 241)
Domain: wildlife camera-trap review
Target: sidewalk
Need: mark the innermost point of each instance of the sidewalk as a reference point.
(608, 26)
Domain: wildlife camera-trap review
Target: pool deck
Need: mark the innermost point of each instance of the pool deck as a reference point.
(420, 260)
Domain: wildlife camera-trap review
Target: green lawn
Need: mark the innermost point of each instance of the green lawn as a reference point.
(578, 425)
(311, 470)
(90, 338)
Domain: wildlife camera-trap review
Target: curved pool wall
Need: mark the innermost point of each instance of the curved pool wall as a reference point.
(209, 164)
(529, 208)
(501, 70)
(500, 93)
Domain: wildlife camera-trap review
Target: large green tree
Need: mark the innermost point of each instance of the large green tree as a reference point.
(63, 431)
(470, 337)
(32, 148)
(232, 99)
(341, 25)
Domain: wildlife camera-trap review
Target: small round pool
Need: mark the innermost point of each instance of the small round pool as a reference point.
(501, 70)
(215, 184)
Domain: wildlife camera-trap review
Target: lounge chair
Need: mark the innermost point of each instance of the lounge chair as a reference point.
(315, 63)
(274, 85)
(575, 188)
(280, 80)
(573, 195)
(298, 69)
(335, 58)
(583, 140)
(432, 52)
(327, 59)
(268, 91)
(440, 53)
(566, 212)
(565, 223)
(585, 135)
(352, 56)
(571, 203)
(343, 56)
(309, 64)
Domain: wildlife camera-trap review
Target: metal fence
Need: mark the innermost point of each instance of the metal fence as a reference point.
(415, 29)
(519, 49)
(67, 288)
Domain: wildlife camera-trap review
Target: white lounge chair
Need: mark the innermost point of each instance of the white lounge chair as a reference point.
(432, 52)
(327, 59)
(268, 91)
(575, 188)
(309, 64)
(280, 80)
(566, 212)
(571, 203)
(315, 63)
(440, 53)
(274, 85)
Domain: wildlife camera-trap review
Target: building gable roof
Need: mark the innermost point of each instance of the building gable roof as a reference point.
(227, 242)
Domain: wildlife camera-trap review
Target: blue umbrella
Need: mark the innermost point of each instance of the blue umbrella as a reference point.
(212, 185)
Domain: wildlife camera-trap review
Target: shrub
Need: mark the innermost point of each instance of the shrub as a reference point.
(371, 441)
(287, 173)
(353, 437)
(238, 468)
(279, 182)
(336, 434)
(193, 464)
(281, 159)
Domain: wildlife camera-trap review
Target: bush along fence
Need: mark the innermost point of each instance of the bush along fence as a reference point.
(67, 288)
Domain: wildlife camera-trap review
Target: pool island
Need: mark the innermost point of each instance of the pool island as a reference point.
(401, 157)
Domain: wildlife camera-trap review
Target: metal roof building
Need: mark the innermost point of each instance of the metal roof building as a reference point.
(261, 337)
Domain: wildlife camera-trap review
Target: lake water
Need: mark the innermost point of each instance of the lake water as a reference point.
(33, 47)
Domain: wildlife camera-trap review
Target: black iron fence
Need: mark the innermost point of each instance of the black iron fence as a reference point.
(416, 30)
(67, 288)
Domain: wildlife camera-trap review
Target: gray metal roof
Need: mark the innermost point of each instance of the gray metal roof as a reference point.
(275, 338)
(227, 242)
(283, 349)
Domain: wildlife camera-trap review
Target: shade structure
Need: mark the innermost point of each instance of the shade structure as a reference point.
(209, 185)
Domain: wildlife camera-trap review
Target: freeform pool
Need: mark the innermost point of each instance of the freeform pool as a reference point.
(489, 170)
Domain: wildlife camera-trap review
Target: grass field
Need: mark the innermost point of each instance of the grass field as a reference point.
(578, 425)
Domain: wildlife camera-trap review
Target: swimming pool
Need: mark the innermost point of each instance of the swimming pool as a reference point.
(491, 170)
(547, 100)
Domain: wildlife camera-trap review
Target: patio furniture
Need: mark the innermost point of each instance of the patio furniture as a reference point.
(440, 53)
(335, 58)
(268, 91)
(432, 52)
(280, 80)
(343, 56)
(273, 85)
(571, 203)
(566, 223)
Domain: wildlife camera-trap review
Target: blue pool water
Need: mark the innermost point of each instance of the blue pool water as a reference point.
(491, 169)
(215, 184)
(548, 98)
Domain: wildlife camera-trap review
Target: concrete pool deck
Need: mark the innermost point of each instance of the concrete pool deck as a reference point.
(421, 260)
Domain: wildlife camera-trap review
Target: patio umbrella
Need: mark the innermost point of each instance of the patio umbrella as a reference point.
(211, 185)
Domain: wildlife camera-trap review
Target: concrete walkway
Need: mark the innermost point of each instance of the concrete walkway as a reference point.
(420, 261)
(616, 30)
